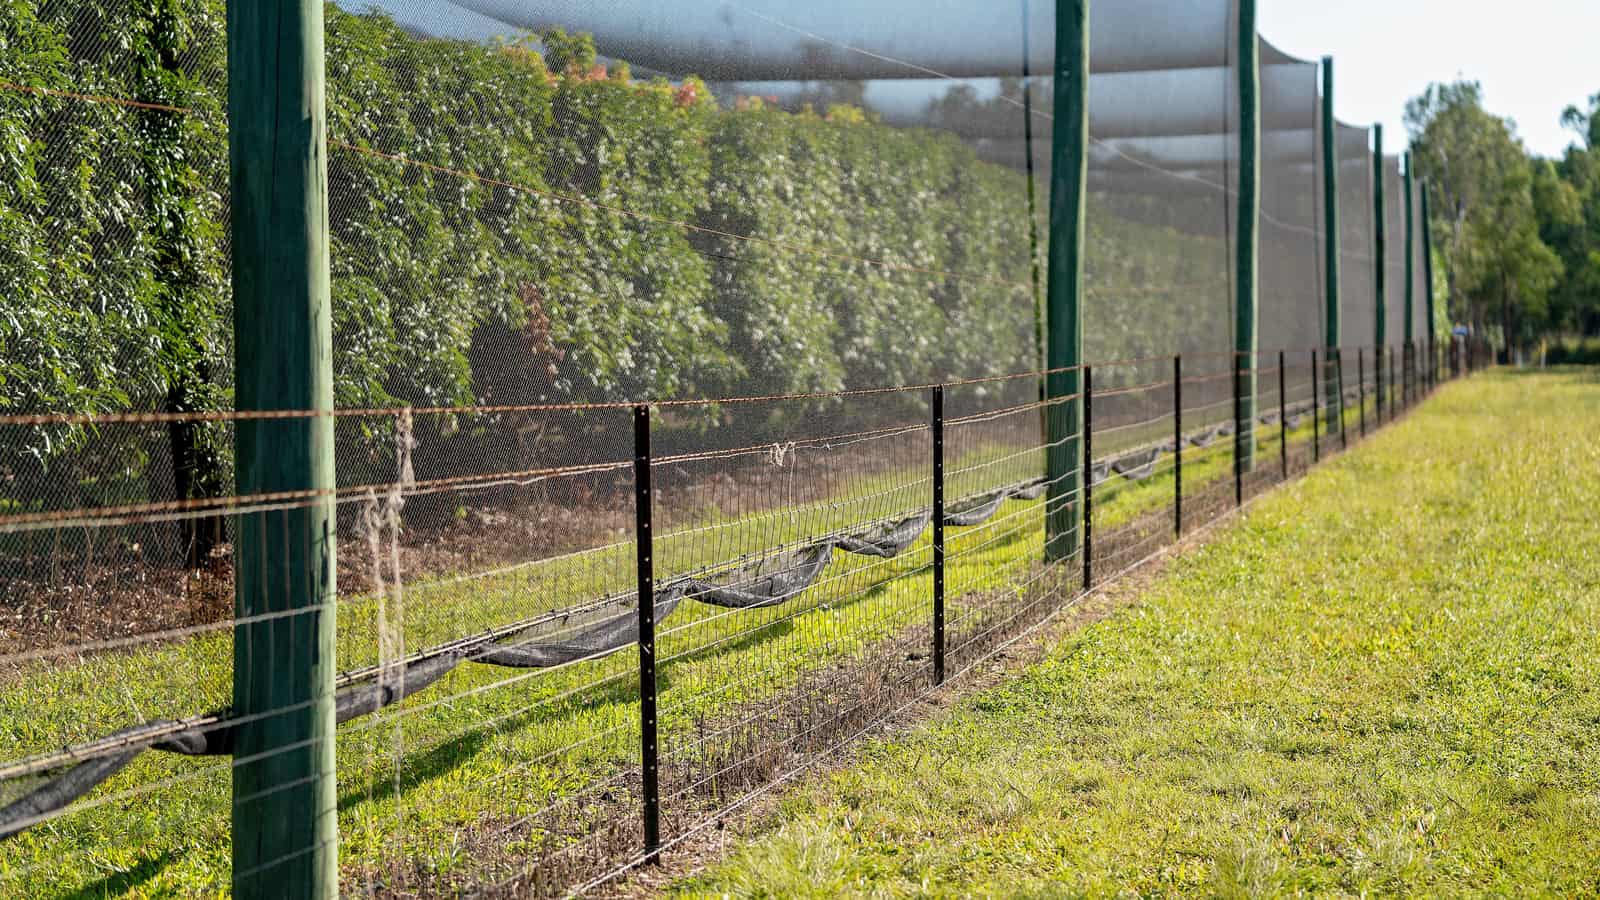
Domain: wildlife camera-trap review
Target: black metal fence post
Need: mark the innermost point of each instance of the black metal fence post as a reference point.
(1316, 415)
(1177, 446)
(1283, 418)
(1377, 384)
(647, 631)
(1361, 388)
(1088, 477)
(1417, 378)
(1405, 374)
(1393, 406)
(1238, 433)
(1411, 372)
(938, 534)
(1338, 372)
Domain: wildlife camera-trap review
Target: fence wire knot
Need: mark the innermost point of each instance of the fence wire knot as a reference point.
(779, 454)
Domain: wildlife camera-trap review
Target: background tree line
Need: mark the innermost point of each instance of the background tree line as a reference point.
(1517, 235)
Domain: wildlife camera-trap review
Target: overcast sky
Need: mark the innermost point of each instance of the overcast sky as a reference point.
(1534, 57)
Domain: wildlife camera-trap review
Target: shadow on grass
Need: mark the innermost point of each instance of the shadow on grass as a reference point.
(118, 884)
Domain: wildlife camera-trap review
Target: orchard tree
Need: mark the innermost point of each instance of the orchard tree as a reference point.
(1496, 262)
(1569, 220)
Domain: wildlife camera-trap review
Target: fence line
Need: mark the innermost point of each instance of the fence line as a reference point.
(584, 632)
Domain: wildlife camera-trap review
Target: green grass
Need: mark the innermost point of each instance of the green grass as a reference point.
(488, 746)
(1383, 680)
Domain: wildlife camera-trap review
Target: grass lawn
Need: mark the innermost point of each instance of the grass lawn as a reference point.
(1384, 679)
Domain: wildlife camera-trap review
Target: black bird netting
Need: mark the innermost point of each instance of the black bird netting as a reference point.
(1358, 323)
(804, 244)
(1394, 200)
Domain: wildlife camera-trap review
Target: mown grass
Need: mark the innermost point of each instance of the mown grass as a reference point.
(491, 746)
(1382, 680)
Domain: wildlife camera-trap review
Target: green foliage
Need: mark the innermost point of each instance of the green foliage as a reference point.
(1487, 199)
(1573, 353)
(1518, 236)
(510, 224)
(571, 237)
(1569, 221)
(112, 270)
(567, 54)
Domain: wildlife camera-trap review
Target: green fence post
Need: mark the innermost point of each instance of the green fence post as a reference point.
(1330, 238)
(1379, 260)
(285, 803)
(1409, 363)
(1427, 277)
(1247, 245)
(1068, 175)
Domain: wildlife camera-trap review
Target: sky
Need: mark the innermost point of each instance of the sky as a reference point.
(1533, 57)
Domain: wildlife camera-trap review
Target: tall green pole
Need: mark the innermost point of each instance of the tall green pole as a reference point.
(1247, 244)
(1410, 253)
(1409, 329)
(285, 804)
(1332, 336)
(1427, 267)
(1068, 187)
(1379, 261)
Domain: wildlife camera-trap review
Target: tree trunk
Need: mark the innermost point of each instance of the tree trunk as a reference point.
(196, 470)
(1505, 320)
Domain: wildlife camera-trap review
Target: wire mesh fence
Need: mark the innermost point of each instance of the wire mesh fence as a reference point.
(795, 584)
(690, 413)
